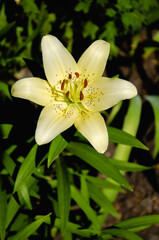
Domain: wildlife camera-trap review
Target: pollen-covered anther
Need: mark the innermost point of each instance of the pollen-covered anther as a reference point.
(81, 96)
(63, 85)
(85, 83)
(67, 94)
(77, 74)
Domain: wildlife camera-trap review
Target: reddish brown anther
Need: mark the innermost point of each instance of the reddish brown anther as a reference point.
(85, 83)
(70, 76)
(67, 94)
(63, 85)
(77, 74)
(81, 96)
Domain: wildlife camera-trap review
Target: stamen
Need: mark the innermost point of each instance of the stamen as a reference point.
(81, 96)
(67, 94)
(63, 85)
(70, 76)
(77, 74)
(85, 83)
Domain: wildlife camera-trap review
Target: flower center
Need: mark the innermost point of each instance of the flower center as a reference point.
(71, 88)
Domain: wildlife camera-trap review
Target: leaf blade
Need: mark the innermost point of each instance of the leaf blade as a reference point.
(63, 192)
(56, 147)
(98, 161)
(119, 136)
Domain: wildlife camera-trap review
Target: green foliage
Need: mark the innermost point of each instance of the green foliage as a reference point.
(154, 100)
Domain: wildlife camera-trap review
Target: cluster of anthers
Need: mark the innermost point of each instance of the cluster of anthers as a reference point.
(71, 88)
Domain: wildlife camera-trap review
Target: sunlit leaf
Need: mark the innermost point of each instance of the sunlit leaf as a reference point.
(139, 222)
(121, 233)
(3, 211)
(63, 192)
(76, 229)
(128, 166)
(56, 147)
(4, 88)
(122, 137)
(8, 163)
(29, 230)
(97, 195)
(84, 205)
(23, 191)
(98, 161)
(104, 183)
(5, 130)
(27, 168)
(154, 101)
(12, 209)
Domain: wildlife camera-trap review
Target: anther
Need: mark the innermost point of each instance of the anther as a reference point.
(67, 94)
(85, 83)
(77, 74)
(70, 76)
(63, 85)
(81, 96)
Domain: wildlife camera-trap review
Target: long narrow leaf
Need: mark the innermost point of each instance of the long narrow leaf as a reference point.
(27, 168)
(139, 222)
(56, 147)
(98, 161)
(12, 209)
(154, 101)
(3, 211)
(84, 205)
(63, 191)
(97, 195)
(30, 229)
(122, 233)
(119, 136)
(128, 166)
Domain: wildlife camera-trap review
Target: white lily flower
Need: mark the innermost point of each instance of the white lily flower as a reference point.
(74, 92)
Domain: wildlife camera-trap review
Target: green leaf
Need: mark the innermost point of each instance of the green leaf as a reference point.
(3, 32)
(29, 230)
(97, 195)
(5, 90)
(5, 130)
(84, 205)
(63, 192)
(76, 228)
(8, 163)
(84, 188)
(154, 101)
(56, 147)
(12, 209)
(3, 211)
(127, 166)
(139, 222)
(104, 183)
(90, 30)
(23, 191)
(122, 137)
(27, 168)
(131, 124)
(98, 161)
(121, 233)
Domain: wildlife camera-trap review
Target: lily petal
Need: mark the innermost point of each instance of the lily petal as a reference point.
(92, 126)
(53, 120)
(57, 60)
(34, 89)
(106, 92)
(92, 62)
